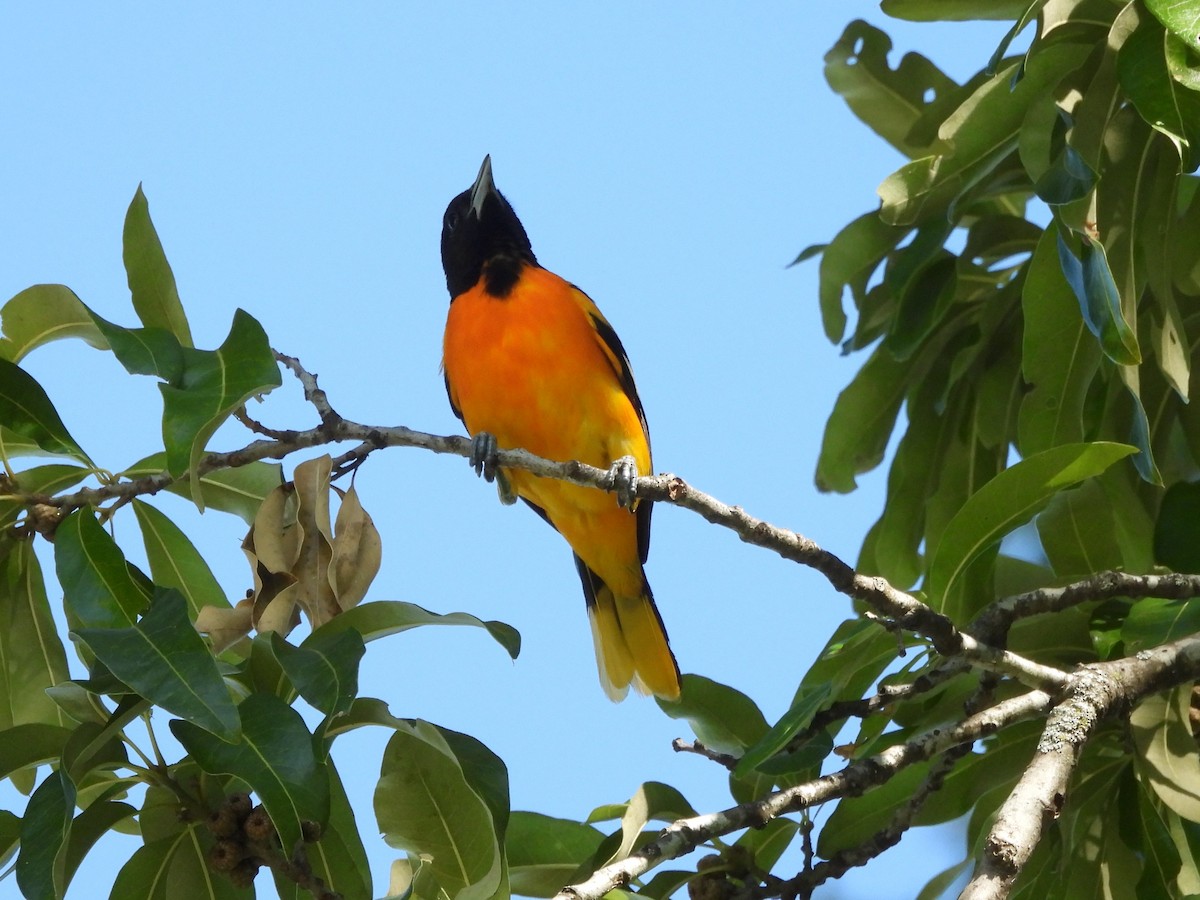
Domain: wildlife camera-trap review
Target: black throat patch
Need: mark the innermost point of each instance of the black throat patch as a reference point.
(501, 273)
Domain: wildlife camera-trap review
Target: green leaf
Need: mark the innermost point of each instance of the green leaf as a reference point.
(1078, 532)
(848, 261)
(1177, 528)
(425, 804)
(1088, 274)
(144, 351)
(1008, 501)
(1161, 858)
(48, 479)
(858, 429)
(31, 654)
(665, 883)
(808, 702)
(239, 491)
(174, 562)
(44, 832)
(980, 134)
(856, 819)
(1139, 427)
(544, 852)
(1165, 745)
(855, 655)
(722, 718)
(652, 802)
(324, 668)
(1000, 765)
(164, 659)
(1155, 620)
(923, 304)
(1058, 359)
(213, 384)
(175, 868)
(338, 858)
(940, 883)
(1068, 179)
(10, 835)
(151, 281)
(26, 411)
(90, 826)
(953, 10)
(97, 588)
(1165, 104)
(274, 757)
(25, 746)
(889, 101)
(383, 617)
(41, 314)
(1182, 18)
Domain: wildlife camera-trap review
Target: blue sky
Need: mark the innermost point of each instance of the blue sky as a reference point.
(671, 159)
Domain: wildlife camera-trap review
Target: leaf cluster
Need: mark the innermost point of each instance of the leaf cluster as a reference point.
(1027, 296)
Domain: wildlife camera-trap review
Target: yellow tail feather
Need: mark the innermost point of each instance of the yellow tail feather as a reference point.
(631, 646)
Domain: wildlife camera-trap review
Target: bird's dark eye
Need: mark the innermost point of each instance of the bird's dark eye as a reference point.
(451, 221)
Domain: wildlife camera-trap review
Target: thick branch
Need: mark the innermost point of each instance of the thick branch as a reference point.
(685, 835)
(1099, 691)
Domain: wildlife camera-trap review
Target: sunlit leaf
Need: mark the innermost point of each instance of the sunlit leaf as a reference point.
(889, 100)
(425, 804)
(980, 133)
(1011, 499)
(848, 261)
(953, 10)
(151, 281)
(239, 490)
(1165, 104)
(1163, 737)
(41, 314)
(722, 718)
(653, 801)
(544, 852)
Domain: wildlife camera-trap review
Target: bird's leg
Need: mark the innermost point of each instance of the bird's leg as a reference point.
(483, 455)
(622, 478)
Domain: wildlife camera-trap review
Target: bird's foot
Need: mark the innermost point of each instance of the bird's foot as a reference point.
(622, 479)
(483, 455)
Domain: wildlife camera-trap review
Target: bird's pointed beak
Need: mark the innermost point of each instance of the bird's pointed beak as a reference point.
(483, 187)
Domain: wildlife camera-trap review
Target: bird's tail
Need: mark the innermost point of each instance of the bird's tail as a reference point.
(631, 642)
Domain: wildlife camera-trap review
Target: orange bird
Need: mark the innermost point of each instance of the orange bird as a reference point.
(530, 362)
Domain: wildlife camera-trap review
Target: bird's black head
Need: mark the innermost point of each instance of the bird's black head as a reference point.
(482, 236)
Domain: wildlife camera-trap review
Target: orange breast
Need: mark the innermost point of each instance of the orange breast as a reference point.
(531, 370)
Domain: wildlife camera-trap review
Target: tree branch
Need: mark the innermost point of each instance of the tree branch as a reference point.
(686, 835)
(1098, 692)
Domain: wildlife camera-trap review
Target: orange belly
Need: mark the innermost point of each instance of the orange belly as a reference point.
(531, 370)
